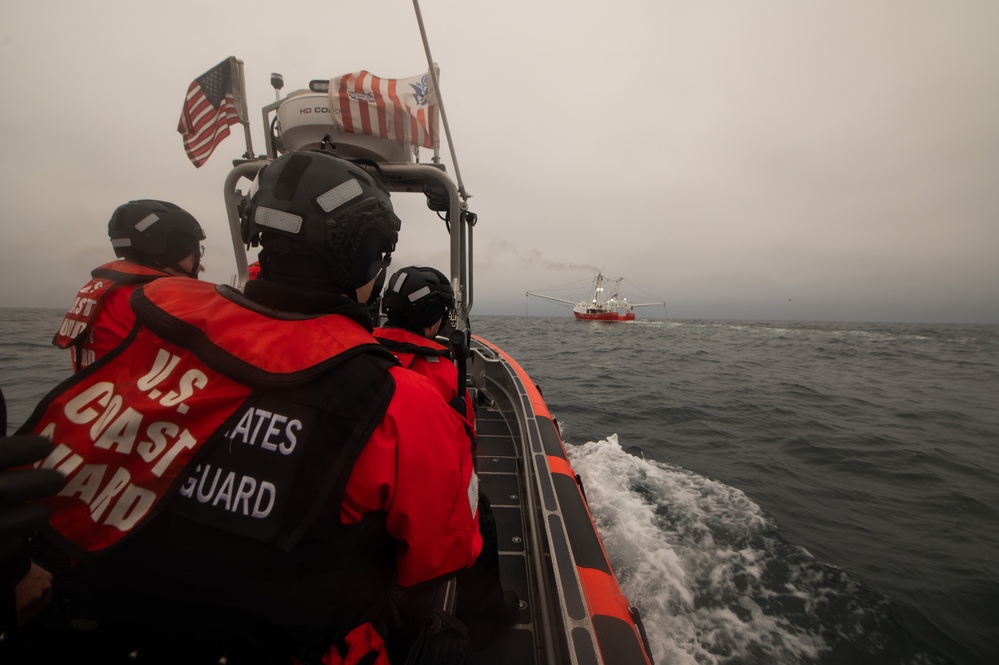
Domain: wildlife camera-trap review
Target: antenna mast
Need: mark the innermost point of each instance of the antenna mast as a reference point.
(440, 100)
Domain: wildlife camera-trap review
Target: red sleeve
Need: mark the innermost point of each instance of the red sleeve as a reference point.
(444, 375)
(113, 321)
(417, 467)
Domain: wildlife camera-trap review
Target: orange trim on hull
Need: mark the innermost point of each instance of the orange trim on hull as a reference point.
(603, 597)
(537, 401)
(559, 465)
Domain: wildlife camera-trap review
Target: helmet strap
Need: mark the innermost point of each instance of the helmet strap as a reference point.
(196, 268)
(376, 290)
(192, 273)
(146, 260)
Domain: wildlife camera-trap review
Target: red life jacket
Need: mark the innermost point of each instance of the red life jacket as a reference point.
(124, 431)
(76, 329)
(429, 358)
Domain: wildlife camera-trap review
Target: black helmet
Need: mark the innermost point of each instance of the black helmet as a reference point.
(156, 233)
(416, 298)
(324, 223)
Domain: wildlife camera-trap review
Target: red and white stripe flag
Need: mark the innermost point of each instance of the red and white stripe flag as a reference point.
(209, 109)
(396, 109)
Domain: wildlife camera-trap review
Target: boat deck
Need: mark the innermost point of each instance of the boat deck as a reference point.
(497, 462)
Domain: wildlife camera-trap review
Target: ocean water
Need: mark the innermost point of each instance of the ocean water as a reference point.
(767, 492)
(786, 492)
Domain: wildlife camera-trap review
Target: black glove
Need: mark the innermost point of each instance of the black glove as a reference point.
(18, 518)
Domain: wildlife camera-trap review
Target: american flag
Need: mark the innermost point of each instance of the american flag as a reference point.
(397, 109)
(209, 109)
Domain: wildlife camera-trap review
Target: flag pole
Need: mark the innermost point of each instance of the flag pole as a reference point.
(244, 115)
(440, 101)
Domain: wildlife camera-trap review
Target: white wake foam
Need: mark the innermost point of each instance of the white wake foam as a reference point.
(688, 553)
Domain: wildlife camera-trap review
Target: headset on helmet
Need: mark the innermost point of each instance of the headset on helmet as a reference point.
(156, 233)
(417, 298)
(324, 223)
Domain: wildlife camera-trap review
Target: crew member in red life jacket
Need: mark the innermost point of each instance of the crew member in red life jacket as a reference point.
(250, 474)
(153, 239)
(417, 304)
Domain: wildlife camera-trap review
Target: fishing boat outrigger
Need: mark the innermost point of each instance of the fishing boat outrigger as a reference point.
(601, 306)
(572, 609)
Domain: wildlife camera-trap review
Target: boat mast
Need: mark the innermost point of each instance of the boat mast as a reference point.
(598, 294)
(440, 102)
(463, 220)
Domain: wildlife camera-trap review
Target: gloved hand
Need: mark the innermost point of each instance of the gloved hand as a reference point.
(25, 588)
(17, 518)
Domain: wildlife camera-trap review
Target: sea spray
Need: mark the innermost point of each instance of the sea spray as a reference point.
(713, 578)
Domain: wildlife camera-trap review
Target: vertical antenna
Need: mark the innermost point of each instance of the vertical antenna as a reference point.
(440, 100)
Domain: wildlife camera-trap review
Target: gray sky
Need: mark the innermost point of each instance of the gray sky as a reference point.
(780, 159)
